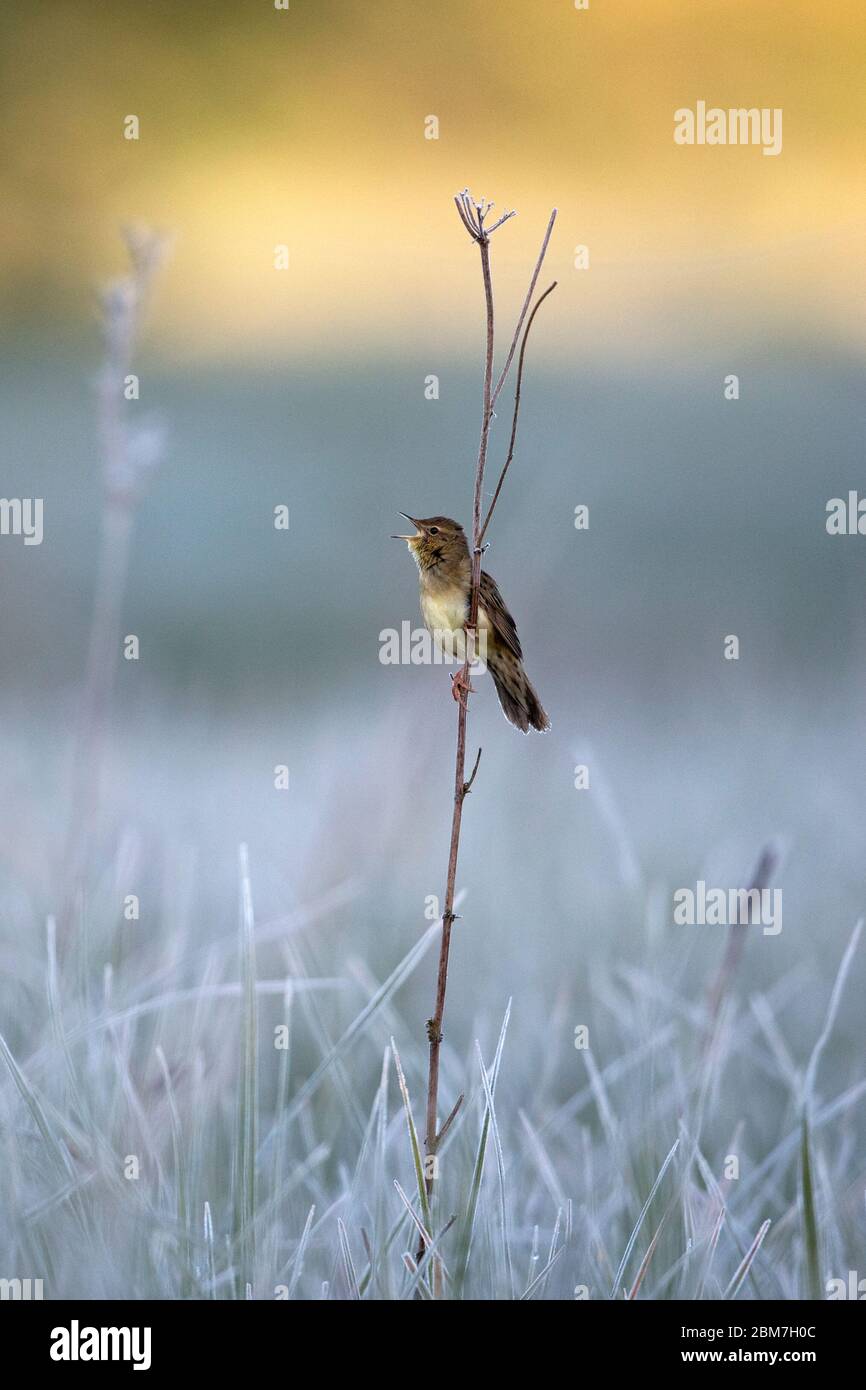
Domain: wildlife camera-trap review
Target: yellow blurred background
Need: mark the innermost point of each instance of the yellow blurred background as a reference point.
(306, 127)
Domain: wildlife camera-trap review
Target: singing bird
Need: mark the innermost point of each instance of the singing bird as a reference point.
(441, 552)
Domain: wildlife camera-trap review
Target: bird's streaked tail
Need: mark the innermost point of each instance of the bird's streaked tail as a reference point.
(520, 704)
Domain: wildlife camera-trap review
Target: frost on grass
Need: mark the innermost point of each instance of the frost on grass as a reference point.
(224, 1107)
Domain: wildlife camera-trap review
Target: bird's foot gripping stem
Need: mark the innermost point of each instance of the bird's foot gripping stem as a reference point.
(461, 686)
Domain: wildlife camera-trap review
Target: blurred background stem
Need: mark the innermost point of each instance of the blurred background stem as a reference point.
(131, 450)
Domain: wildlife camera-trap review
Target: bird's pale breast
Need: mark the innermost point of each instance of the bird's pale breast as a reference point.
(445, 610)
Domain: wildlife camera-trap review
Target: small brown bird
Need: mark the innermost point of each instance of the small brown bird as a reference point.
(441, 552)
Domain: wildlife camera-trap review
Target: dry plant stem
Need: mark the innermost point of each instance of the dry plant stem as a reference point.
(129, 453)
(762, 876)
(101, 671)
(529, 293)
(472, 215)
(102, 658)
(434, 1025)
(510, 456)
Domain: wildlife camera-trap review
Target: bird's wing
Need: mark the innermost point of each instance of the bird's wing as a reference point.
(501, 620)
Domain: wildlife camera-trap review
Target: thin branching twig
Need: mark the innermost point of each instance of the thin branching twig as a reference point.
(473, 215)
(510, 456)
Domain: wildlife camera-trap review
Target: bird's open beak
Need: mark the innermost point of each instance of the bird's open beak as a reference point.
(414, 523)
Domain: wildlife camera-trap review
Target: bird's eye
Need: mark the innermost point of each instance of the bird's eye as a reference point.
(434, 530)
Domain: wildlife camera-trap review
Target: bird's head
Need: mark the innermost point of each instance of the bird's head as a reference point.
(438, 543)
